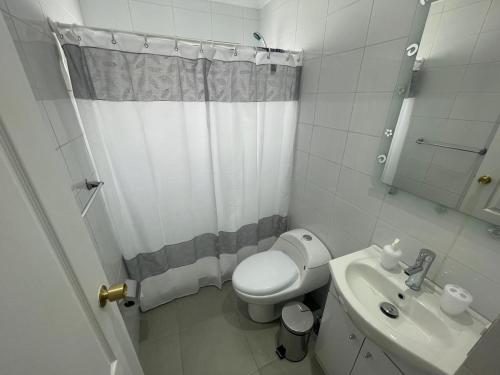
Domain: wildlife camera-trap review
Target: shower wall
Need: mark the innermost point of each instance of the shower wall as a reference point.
(353, 53)
(198, 19)
(26, 20)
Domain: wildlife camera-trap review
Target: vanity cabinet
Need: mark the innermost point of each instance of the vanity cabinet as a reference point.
(373, 361)
(339, 341)
(341, 349)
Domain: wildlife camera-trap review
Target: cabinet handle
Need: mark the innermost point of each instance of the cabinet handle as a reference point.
(368, 355)
(352, 336)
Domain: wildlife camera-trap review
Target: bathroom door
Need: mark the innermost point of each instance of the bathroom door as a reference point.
(50, 319)
(483, 199)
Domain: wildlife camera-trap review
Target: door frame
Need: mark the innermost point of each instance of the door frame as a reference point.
(41, 172)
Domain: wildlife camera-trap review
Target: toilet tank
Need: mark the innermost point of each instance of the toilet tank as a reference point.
(304, 248)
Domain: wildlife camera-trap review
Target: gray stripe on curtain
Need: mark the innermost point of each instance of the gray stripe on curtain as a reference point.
(146, 265)
(104, 74)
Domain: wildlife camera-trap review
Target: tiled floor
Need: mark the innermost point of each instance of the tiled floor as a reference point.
(209, 334)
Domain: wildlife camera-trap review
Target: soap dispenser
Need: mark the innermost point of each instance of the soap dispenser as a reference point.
(391, 254)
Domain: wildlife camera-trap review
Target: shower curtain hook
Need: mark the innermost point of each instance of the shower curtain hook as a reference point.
(176, 46)
(255, 54)
(235, 51)
(146, 44)
(289, 55)
(268, 53)
(78, 37)
(201, 47)
(113, 40)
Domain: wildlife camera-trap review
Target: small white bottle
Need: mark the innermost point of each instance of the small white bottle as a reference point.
(391, 254)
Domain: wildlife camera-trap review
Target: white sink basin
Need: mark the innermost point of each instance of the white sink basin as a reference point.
(422, 333)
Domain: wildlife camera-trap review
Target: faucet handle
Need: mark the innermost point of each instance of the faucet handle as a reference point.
(426, 255)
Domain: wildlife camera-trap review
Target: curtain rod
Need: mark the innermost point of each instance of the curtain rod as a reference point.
(53, 26)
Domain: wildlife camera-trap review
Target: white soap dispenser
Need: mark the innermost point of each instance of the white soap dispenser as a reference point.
(391, 254)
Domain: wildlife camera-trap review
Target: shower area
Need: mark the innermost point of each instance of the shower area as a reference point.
(194, 142)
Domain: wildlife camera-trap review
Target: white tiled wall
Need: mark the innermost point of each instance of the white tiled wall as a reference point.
(354, 50)
(26, 20)
(460, 48)
(347, 89)
(198, 19)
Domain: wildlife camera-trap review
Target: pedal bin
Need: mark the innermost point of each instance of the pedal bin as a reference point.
(295, 330)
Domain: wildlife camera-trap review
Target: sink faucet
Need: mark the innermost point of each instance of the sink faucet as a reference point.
(418, 271)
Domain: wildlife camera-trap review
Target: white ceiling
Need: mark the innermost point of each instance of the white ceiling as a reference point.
(257, 4)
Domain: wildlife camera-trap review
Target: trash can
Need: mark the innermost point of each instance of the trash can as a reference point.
(295, 330)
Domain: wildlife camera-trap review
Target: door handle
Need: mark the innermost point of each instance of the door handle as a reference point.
(114, 293)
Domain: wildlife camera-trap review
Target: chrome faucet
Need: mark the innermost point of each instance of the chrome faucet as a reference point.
(418, 271)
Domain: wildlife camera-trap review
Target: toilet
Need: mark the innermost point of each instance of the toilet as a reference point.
(296, 264)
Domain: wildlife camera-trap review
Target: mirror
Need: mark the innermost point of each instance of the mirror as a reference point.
(445, 145)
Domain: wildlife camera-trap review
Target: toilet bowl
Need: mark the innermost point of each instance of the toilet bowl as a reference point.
(296, 264)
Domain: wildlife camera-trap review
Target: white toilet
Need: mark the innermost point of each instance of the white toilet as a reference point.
(296, 264)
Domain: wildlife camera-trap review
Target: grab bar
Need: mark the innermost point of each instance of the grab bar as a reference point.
(97, 185)
(422, 141)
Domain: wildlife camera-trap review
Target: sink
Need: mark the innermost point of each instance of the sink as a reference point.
(422, 333)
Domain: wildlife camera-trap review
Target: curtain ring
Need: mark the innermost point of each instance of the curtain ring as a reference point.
(113, 40)
(78, 37)
(146, 44)
(176, 46)
(235, 52)
(61, 36)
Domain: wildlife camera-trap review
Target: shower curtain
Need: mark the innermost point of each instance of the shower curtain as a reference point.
(195, 146)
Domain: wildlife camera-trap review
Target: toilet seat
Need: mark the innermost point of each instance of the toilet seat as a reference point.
(265, 273)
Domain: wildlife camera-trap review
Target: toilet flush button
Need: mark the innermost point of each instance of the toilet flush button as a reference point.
(307, 237)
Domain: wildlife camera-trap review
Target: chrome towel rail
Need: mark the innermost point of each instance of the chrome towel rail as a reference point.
(422, 141)
(96, 185)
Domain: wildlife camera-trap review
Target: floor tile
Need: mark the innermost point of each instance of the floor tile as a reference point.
(161, 356)
(209, 302)
(216, 346)
(159, 322)
(308, 366)
(210, 333)
(261, 338)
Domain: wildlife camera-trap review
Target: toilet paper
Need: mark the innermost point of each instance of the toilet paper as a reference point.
(455, 299)
(131, 288)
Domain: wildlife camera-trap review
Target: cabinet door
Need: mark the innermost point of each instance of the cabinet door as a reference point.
(339, 341)
(406, 367)
(373, 361)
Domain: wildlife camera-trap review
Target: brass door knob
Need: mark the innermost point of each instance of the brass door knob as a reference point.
(484, 180)
(114, 293)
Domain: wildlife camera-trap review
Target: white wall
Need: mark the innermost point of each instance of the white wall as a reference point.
(198, 19)
(26, 20)
(354, 49)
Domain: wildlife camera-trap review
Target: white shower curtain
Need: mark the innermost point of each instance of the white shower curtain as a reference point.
(195, 146)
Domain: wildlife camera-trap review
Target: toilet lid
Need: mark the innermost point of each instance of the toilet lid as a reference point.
(265, 273)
